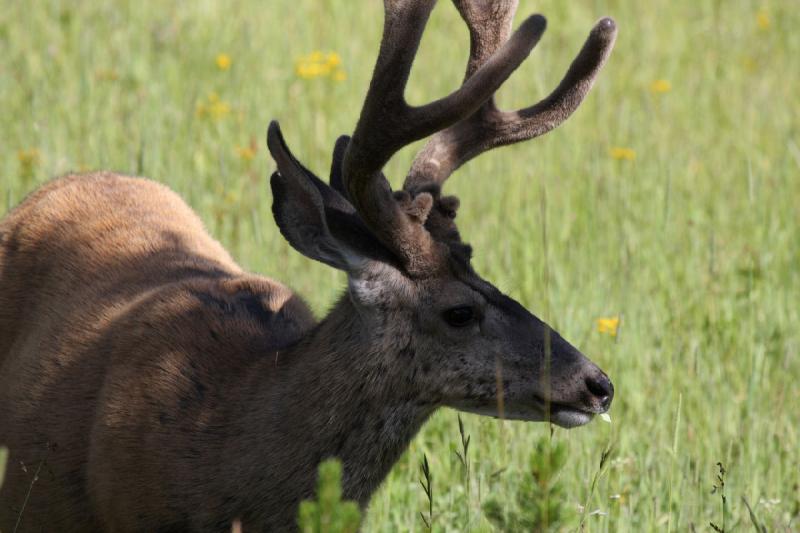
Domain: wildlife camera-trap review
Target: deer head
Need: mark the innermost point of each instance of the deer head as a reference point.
(417, 298)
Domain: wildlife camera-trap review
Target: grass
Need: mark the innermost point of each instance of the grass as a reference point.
(690, 234)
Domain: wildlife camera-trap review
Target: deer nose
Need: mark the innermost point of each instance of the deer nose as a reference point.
(601, 388)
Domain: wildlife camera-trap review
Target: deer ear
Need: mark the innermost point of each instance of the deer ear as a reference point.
(339, 149)
(299, 209)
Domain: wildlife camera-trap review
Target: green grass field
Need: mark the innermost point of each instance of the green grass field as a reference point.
(670, 200)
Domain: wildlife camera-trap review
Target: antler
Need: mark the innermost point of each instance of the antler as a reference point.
(387, 123)
(489, 23)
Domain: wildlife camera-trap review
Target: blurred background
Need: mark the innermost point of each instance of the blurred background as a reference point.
(657, 229)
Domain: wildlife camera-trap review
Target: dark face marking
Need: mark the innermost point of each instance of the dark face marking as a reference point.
(463, 364)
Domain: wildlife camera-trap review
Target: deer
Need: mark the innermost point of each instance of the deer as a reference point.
(149, 383)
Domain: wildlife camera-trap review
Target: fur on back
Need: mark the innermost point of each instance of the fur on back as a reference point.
(99, 267)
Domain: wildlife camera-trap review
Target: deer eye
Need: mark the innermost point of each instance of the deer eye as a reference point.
(461, 316)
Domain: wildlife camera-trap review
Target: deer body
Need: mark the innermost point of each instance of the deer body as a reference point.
(204, 428)
(148, 383)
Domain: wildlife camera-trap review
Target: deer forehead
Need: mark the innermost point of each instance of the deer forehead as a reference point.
(382, 285)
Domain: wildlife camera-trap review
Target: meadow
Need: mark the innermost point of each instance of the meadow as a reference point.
(657, 229)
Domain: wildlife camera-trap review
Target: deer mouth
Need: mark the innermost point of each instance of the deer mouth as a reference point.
(560, 414)
(568, 417)
(537, 410)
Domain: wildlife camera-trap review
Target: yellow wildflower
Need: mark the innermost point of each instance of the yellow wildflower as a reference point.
(231, 198)
(749, 64)
(247, 153)
(219, 109)
(28, 159)
(619, 153)
(319, 64)
(762, 19)
(608, 325)
(310, 70)
(695, 167)
(106, 74)
(223, 61)
(214, 107)
(333, 59)
(660, 86)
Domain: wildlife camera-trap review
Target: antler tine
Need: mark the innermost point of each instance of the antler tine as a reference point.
(489, 127)
(387, 123)
(489, 23)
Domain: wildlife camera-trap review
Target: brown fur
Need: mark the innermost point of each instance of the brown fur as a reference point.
(101, 276)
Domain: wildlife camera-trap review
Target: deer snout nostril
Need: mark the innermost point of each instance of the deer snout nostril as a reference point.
(602, 388)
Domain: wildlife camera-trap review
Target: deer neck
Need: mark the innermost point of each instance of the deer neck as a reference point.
(343, 392)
